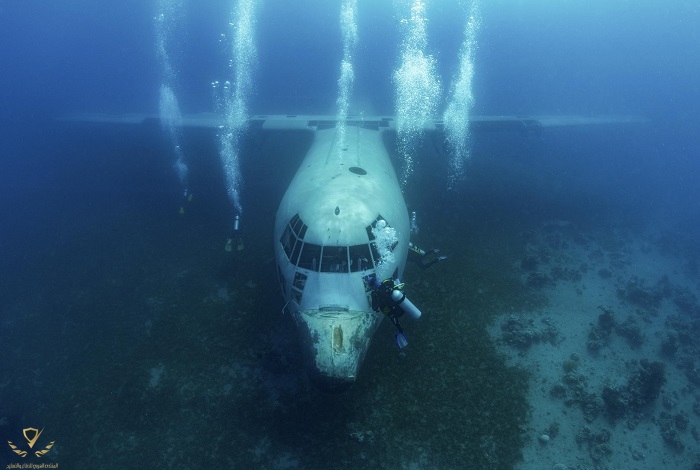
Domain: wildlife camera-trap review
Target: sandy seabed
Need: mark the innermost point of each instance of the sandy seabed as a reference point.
(617, 304)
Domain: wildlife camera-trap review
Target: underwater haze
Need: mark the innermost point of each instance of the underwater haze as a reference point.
(560, 332)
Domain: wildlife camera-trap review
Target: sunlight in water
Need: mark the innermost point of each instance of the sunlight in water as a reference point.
(461, 101)
(417, 86)
(232, 99)
(348, 26)
(166, 23)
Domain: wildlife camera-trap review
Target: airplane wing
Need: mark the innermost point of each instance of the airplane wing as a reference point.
(319, 122)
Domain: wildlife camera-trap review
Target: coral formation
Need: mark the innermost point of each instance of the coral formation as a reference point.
(631, 331)
(598, 443)
(572, 363)
(523, 333)
(573, 389)
(553, 430)
(538, 280)
(635, 291)
(600, 332)
(670, 425)
(599, 335)
(682, 342)
(560, 273)
(686, 302)
(669, 343)
(641, 389)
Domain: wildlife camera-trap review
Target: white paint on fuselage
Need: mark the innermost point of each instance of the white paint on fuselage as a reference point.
(334, 316)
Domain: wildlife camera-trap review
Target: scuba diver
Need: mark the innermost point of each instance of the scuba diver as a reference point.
(424, 259)
(235, 237)
(389, 299)
(186, 200)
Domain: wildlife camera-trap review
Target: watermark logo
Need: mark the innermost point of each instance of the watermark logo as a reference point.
(31, 435)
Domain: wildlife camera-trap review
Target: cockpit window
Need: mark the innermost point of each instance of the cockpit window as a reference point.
(310, 256)
(335, 259)
(295, 252)
(294, 220)
(328, 259)
(292, 238)
(360, 259)
(298, 226)
(288, 241)
(302, 231)
(370, 235)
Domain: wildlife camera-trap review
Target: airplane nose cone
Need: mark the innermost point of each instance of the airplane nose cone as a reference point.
(334, 343)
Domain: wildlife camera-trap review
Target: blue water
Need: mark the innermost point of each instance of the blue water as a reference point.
(102, 281)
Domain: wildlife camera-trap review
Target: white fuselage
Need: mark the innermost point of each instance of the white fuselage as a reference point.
(325, 248)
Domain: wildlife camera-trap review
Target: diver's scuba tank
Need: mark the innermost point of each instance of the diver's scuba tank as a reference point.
(405, 304)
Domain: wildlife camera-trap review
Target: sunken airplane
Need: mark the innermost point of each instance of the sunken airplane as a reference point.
(341, 229)
(341, 234)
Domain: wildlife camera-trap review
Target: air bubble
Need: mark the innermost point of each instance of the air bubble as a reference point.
(348, 25)
(232, 101)
(167, 22)
(417, 86)
(461, 101)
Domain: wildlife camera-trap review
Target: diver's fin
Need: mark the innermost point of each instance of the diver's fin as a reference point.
(401, 340)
